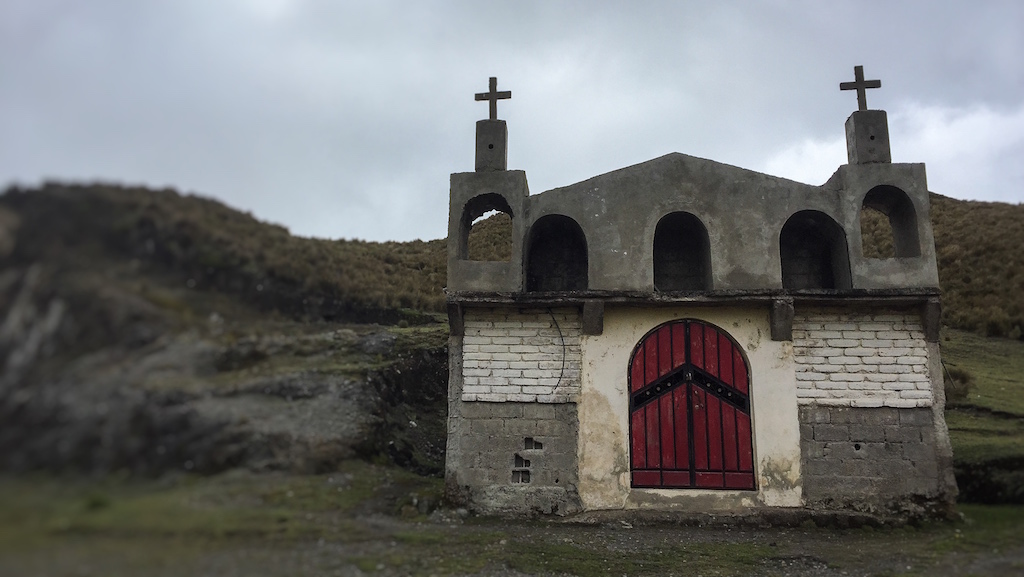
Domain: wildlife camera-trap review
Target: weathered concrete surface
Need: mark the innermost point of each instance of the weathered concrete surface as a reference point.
(604, 413)
(473, 194)
(867, 137)
(728, 233)
(491, 145)
(947, 488)
(512, 458)
(878, 459)
(619, 212)
(858, 181)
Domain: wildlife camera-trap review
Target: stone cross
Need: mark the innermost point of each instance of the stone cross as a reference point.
(494, 96)
(860, 85)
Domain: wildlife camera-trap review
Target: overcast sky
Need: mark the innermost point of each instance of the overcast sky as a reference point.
(344, 119)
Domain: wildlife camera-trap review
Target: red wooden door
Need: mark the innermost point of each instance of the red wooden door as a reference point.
(689, 389)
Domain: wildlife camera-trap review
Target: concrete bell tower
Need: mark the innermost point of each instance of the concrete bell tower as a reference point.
(867, 131)
(492, 134)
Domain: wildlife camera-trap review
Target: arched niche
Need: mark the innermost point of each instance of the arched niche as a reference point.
(902, 220)
(814, 252)
(556, 255)
(682, 254)
(479, 206)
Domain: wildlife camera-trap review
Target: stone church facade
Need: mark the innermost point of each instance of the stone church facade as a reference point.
(684, 334)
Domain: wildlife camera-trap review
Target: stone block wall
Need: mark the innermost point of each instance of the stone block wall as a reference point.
(516, 458)
(521, 355)
(869, 458)
(861, 359)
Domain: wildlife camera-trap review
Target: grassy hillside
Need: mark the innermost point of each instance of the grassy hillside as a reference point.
(985, 415)
(981, 265)
(211, 246)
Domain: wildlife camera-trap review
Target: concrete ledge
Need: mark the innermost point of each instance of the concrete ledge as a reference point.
(913, 296)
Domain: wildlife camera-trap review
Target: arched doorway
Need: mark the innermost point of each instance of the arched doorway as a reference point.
(689, 401)
(682, 254)
(900, 224)
(814, 253)
(556, 255)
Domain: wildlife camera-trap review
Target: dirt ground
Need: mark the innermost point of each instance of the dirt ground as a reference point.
(373, 520)
(389, 546)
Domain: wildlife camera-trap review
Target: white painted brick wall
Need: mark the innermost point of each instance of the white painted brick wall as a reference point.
(861, 360)
(521, 355)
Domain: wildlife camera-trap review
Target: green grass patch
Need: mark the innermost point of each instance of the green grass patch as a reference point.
(429, 536)
(427, 550)
(978, 436)
(276, 524)
(36, 512)
(234, 505)
(345, 363)
(422, 337)
(996, 366)
(985, 528)
(986, 426)
(424, 562)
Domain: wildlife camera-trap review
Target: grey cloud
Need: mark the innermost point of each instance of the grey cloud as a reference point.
(345, 119)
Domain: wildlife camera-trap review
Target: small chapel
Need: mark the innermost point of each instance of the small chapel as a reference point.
(687, 335)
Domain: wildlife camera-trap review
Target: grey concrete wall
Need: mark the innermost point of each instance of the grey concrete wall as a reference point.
(877, 459)
(482, 471)
(744, 212)
(516, 458)
(856, 181)
(943, 446)
(467, 275)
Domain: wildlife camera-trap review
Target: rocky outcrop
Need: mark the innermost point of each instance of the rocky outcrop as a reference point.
(148, 331)
(149, 395)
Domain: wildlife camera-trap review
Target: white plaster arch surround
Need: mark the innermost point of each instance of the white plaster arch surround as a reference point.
(603, 447)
